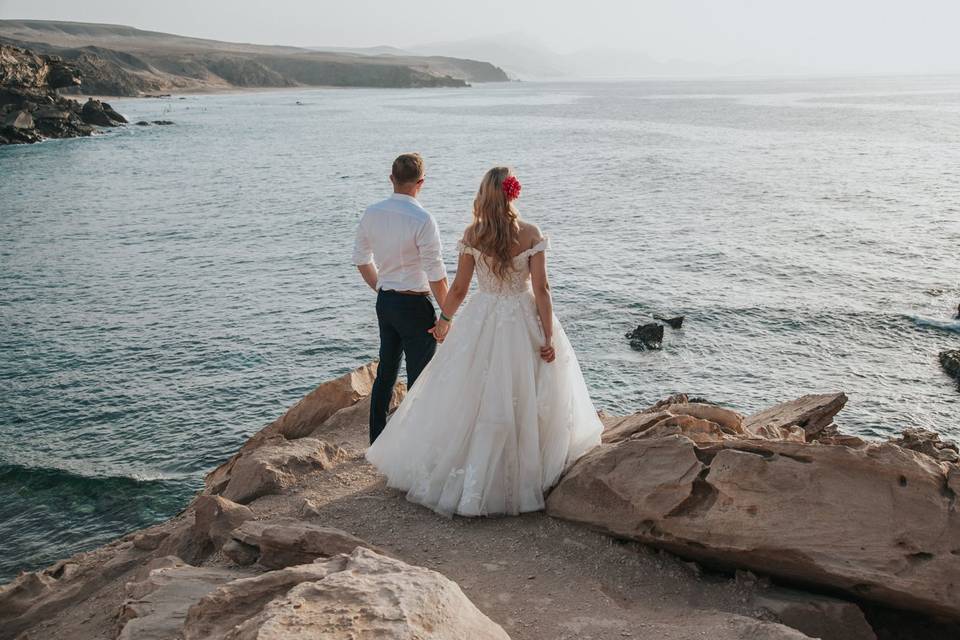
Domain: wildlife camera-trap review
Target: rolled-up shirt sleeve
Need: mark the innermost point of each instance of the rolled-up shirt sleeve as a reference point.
(431, 253)
(362, 251)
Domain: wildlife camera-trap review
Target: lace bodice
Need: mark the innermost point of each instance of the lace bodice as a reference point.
(518, 280)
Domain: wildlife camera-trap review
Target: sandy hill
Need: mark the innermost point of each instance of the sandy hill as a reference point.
(121, 60)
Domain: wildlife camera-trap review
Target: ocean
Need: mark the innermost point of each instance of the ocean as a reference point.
(166, 291)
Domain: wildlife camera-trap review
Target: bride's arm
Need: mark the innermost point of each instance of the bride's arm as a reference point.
(456, 294)
(541, 292)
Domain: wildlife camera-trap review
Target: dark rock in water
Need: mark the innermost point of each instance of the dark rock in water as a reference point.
(958, 311)
(675, 323)
(100, 114)
(646, 336)
(143, 123)
(950, 360)
(30, 106)
(162, 122)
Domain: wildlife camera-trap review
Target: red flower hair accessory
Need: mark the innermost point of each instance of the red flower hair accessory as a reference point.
(511, 188)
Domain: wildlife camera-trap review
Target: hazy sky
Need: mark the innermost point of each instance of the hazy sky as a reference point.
(907, 35)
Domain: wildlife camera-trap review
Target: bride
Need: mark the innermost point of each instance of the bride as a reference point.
(502, 409)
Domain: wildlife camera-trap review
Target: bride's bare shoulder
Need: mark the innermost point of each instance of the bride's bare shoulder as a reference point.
(530, 234)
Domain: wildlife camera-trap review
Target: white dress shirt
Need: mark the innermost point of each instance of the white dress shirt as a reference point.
(403, 240)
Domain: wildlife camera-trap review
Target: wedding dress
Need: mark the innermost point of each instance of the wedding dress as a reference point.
(489, 426)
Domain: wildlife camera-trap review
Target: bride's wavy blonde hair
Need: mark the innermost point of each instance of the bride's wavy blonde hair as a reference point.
(496, 228)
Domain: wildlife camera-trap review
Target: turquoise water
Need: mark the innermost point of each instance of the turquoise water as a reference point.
(167, 291)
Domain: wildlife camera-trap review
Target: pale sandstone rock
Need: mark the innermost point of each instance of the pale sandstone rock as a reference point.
(875, 520)
(813, 413)
(305, 416)
(815, 615)
(286, 542)
(215, 517)
(276, 465)
(149, 540)
(156, 606)
(33, 597)
(363, 595)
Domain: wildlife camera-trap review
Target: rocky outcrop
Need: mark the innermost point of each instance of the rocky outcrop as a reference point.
(812, 413)
(31, 108)
(360, 595)
(33, 597)
(928, 443)
(285, 542)
(950, 361)
(280, 437)
(875, 520)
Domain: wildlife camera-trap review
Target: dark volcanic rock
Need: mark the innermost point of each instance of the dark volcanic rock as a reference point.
(674, 323)
(951, 362)
(162, 122)
(143, 123)
(30, 107)
(646, 336)
(100, 114)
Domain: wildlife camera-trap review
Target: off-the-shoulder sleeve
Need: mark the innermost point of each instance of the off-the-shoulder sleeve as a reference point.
(463, 247)
(543, 245)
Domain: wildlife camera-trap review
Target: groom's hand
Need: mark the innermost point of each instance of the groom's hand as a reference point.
(439, 330)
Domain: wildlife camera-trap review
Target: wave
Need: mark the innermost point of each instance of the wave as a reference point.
(46, 477)
(947, 326)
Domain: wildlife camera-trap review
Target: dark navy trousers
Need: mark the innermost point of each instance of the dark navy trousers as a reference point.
(404, 321)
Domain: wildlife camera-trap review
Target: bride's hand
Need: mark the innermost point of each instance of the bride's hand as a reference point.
(439, 330)
(547, 352)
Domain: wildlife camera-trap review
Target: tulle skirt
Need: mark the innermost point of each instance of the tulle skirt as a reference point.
(489, 426)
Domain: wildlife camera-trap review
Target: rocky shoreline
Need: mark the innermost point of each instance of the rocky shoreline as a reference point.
(31, 108)
(827, 535)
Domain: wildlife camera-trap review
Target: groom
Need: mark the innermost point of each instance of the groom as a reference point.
(398, 254)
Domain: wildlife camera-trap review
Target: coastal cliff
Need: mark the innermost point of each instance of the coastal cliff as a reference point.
(122, 61)
(31, 107)
(297, 536)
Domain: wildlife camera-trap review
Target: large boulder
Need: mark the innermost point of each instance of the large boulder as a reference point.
(100, 114)
(361, 595)
(874, 520)
(285, 542)
(276, 465)
(215, 518)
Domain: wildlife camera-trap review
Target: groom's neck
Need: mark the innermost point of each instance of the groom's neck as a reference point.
(407, 189)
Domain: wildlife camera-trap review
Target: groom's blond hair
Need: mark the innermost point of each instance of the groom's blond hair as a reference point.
(407, 168)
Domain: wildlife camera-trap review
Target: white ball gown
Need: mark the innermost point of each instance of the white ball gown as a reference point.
(489, 426)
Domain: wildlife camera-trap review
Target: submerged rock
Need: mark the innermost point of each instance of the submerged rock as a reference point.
(646, 336)
(950, 360)
(875, 520)
(674, 323)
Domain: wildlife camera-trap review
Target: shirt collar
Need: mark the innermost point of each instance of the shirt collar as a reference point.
(403, 196)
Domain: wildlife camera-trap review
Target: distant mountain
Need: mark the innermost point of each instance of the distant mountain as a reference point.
(121, 60)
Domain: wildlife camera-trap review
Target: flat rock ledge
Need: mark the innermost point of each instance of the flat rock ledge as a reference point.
(780, 493)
